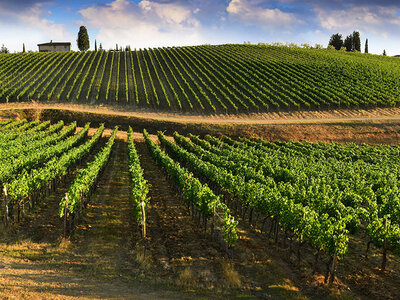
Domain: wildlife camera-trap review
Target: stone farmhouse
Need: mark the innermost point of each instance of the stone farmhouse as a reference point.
(54, 47)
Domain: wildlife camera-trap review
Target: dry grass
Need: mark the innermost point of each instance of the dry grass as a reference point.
(186, 278)
(141, 256)
(65, 244)
(230, 274)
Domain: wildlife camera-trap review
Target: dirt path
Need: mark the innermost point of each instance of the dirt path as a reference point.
(282, 117)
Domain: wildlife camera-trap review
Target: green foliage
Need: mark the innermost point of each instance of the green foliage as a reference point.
(336, 41)
(213, 79)
(356, 41)
(140, 187)
(318, 46)
(83, 80)
(4, 49)
(348, 43)
(321, 192)
(86, 179)
(366, 46)
(110, 75)
(118, 71)
(194, 192)
(102, 76)
(25, 184)
(83, 39)
(52, 145)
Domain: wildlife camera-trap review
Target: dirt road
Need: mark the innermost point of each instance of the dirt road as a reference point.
(294, 117)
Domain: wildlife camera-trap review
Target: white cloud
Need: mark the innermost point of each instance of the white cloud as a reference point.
(146, 24)
(371, 19)
(249, 12)
(30, 26)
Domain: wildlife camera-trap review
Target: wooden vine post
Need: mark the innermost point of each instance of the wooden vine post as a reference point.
(384, 248)
(143, 219)
(5, 206)
(66, 215)
(213, 222)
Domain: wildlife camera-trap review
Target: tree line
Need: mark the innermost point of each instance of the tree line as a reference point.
(351, 43)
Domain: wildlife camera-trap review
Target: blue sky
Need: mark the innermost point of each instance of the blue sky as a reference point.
(153, 23)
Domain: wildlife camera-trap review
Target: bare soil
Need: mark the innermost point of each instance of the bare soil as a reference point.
(281, 117)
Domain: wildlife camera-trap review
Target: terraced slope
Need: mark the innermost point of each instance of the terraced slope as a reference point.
(204, 79)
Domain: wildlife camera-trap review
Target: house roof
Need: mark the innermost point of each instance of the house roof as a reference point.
(56, 44)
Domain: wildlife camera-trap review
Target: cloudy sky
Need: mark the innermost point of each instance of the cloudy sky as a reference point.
(153, 23)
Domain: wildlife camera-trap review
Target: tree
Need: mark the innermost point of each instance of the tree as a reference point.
(336, 41)
(356, 41)
(116, 47)
(318, 46)
(101, 47)
(366, 46)
(23, 48)
(83, 39)
(384, 52)
(4, 49)
(95, 45)
(348, 43)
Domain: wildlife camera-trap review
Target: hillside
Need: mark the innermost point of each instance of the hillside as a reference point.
(223, 218)
(204, 79)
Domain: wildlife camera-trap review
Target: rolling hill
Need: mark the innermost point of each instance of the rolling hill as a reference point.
(204, 79)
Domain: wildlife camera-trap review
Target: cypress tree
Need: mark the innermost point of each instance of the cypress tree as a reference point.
(23, 48)
(366, 46)
(83, 39)
(116, 47)
(95, 45)
(348, 43)
(356, 41)
(336, 41)
(101, 47)
(384, 52)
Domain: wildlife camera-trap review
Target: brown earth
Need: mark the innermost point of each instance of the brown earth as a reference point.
(379, 125)
(281, 117)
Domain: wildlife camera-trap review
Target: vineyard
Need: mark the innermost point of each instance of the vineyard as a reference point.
(310, 199)
(204, 79)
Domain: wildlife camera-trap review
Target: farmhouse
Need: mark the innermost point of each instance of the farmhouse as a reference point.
(54, 46)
